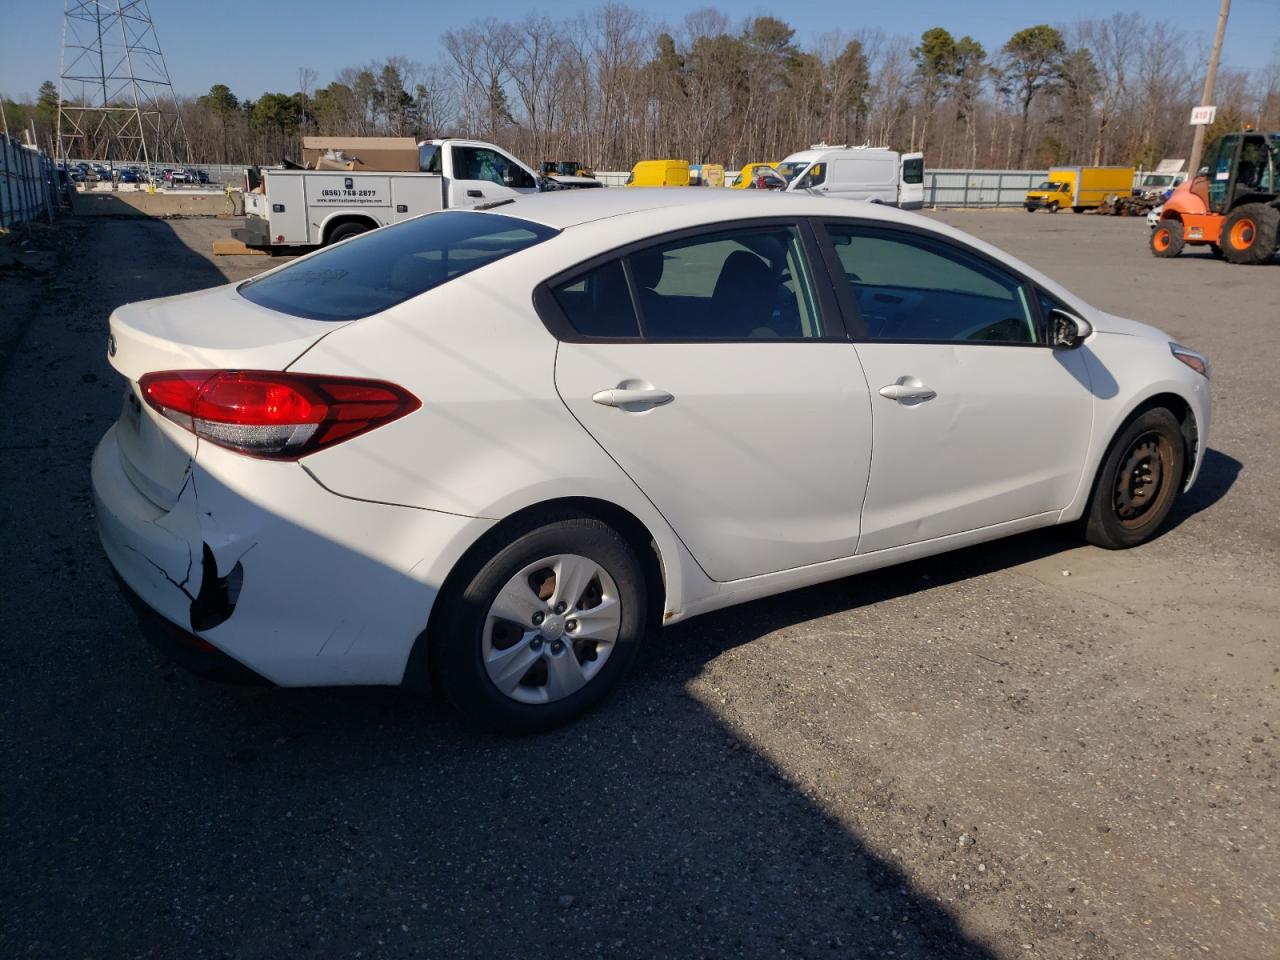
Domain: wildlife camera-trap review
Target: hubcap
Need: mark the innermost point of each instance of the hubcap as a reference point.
(1141, 478)
(550, 630)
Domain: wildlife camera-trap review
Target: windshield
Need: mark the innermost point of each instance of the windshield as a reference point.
(789, 170)
(1050, 185)
(371, 273)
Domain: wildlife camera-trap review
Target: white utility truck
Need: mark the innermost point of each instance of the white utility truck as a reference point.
(857, 173)
(301, 207)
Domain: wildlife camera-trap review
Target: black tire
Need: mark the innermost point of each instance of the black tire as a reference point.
(1166, 239)
(345, 231)
(458, 643)
(1249, 233)
(1077, 209)
(1122, 511)
(1053, 208)
(1029, 209)
(1216, 251)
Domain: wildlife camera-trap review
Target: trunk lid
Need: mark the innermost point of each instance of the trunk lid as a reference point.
(209, 330)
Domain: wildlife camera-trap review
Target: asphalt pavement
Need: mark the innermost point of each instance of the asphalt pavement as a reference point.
(1029, 749)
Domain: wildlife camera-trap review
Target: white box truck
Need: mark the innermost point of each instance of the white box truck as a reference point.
(294, 207)
(857, 173)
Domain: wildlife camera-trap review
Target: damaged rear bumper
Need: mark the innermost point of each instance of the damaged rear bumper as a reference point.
(300, 585)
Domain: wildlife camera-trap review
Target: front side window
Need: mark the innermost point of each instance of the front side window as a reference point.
(480, 163)
(913, 287)
(368, 274)
(815, 176)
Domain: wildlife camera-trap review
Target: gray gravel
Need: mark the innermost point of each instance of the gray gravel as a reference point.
(970, 756)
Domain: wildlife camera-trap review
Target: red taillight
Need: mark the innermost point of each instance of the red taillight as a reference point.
(279, 416)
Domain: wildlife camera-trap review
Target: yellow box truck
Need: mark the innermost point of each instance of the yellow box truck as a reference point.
(1080, 188)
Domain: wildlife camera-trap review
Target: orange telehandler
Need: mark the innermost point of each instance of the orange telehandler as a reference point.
(1232, 203)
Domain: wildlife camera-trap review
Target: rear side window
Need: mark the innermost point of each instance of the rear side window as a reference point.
(913, 170)
(598, 304)
(368, 274)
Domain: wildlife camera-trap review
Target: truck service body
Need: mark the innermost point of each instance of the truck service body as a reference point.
(291, 207)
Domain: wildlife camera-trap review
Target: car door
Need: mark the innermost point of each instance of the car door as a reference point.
(977, 421)
(711, 367)
(483, 175)
(911, 185)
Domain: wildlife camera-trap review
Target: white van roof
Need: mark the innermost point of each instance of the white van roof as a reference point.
(829, 153)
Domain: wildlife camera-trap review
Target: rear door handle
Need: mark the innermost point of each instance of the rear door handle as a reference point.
(908, 390)
(631, 398)
(475, 193)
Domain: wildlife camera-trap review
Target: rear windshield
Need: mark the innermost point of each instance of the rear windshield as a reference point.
(913, 170)
(371, 273)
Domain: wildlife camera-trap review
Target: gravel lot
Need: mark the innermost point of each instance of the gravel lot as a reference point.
(1031, 749)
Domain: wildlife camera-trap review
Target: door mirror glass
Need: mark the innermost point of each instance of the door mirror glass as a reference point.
(1067, 330)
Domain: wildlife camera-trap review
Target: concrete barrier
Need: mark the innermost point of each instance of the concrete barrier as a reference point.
(142, 204)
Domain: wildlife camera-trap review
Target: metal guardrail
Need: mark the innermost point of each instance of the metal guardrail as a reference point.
(942, 188)
(27, 188)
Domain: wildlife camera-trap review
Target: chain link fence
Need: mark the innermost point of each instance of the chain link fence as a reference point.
(27, 183)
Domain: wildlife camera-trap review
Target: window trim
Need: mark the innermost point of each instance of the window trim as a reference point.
(829, 310)
(853, 316)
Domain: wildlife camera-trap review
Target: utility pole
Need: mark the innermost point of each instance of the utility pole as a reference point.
(1206, 100)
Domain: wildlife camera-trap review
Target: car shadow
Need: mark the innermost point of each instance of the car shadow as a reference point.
(1218, 473)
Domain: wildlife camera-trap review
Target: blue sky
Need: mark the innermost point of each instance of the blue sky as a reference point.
(259, 45)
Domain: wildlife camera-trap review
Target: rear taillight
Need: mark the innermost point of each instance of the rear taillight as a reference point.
(273, 415)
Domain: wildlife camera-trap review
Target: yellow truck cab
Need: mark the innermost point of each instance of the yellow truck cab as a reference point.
(659, 173)
(1080, 188)
(747, 175)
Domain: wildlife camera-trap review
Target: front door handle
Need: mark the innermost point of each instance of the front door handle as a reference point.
(909, 391)
(475, 193)
(632, 399)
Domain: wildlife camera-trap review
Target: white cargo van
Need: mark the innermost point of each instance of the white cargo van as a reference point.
(857, 173)
(288, 207)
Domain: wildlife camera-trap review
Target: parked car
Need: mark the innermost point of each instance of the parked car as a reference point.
(198, 176)
(129, 176)
(494, 445)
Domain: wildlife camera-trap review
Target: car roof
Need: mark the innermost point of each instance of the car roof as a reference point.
(565, 209)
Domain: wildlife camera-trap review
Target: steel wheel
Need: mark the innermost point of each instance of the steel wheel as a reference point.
(1137, 482)
(551, 628)
(1142, 479)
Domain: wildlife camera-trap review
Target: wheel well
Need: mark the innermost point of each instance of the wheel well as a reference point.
(346, 218)
(1186, 419)
(419, 673)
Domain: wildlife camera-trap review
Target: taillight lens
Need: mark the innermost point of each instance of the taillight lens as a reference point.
(274, 415)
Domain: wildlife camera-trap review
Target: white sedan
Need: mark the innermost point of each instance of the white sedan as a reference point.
(484, 450)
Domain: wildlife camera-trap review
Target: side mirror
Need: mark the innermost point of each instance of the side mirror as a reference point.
(1067, 331)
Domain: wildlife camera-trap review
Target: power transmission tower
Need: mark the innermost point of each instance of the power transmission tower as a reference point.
(116, 102)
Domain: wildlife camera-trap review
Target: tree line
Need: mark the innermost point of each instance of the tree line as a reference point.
(611, 86)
